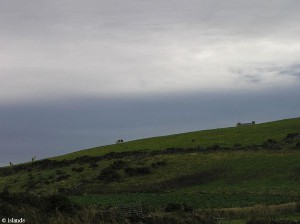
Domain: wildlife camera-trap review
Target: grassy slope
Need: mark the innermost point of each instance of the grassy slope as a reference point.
(249, 177)
(262, 175)
(226, 137)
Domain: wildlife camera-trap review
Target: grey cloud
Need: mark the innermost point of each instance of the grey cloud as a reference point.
(257, 74)
(65, 64)
(100, 17)
(149, 45)
(253, 78)
(292, 70)
(246, 76)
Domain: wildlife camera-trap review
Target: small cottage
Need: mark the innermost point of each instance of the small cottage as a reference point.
(245, 124)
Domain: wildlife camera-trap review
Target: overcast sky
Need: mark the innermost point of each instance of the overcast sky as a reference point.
(81, 73)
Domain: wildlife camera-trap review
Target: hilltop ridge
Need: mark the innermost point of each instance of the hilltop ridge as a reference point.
(225, 137)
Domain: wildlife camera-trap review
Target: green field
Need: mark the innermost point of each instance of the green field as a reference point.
(222, 168)
(196, 200)
(226, 137)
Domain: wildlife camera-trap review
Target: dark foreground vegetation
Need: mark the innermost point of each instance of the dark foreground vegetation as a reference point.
(59, 209)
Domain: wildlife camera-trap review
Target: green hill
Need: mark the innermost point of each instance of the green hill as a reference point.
(220, 168)
(226, 137)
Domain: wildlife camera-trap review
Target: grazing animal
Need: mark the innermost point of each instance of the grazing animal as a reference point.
(119, 141)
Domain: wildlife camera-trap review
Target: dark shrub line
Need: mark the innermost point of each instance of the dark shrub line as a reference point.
(193, 179)
(109, 175)
(172, 207)
(63, 177)
(182, 181)
(137, 171)
(93, 165)
(118, 164)
(77, 169)
(158, 164)
(45, 204)
(50, 164)
(292, 135)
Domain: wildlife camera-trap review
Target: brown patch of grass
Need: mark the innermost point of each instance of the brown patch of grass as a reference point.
(257, 210)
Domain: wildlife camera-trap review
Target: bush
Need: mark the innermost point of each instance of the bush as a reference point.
(31, 185)
(298, 206)
(86, 159)
(292, 135)
(185, 180)
(94, 165)
(5, 172)
(60, 172)
(12, 204)
(58, 203)
(170, 150)
(63, 177)
(46, 182)
(158, 164)
(109, 175)
(237, 145)
(77, 169)
(187, 208)
(137, 171)
(118, 164)
(5, 195)
(172, 207)
(297, 146)
(30, 176)
(50, 164)
(270, 144)
(214, 147)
